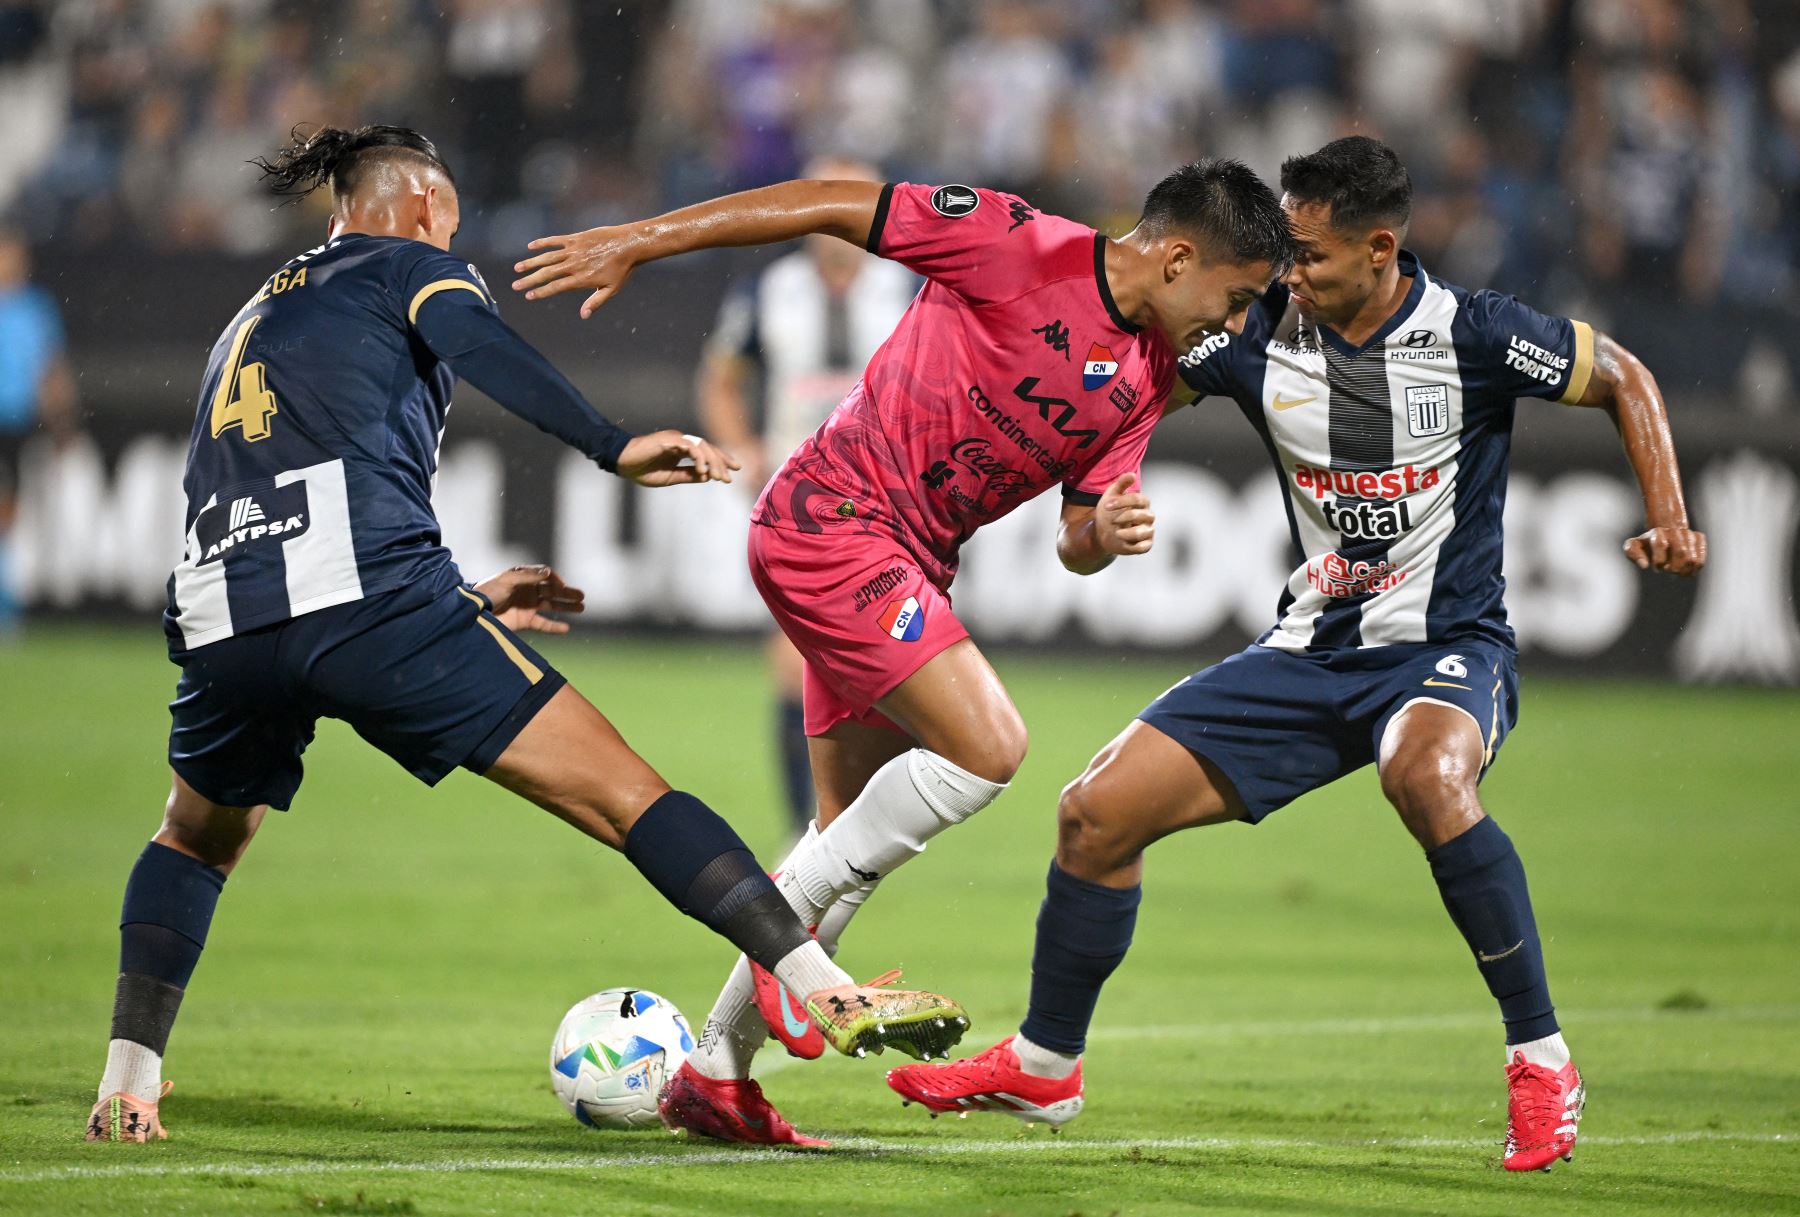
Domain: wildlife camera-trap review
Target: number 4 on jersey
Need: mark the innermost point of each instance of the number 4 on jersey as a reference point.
(243, 398)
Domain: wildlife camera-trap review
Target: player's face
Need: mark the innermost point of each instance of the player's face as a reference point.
(1334, 272)
(1211, 298)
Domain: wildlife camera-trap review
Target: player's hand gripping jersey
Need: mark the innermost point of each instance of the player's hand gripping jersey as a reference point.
(1393, 455)
(1012, 372)
(314, 449)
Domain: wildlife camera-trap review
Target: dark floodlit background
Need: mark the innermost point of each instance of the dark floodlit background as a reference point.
(1632, 162)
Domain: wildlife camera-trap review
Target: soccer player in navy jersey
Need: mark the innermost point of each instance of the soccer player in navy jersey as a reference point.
(1385, 398)
(314, 584)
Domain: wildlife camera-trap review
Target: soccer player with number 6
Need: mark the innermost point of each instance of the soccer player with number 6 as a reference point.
(1386, 397)
(1038, 354)
(314, 584)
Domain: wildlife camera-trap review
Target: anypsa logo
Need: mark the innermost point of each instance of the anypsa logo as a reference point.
(277, 511)
(904, 619)
(1099, 368)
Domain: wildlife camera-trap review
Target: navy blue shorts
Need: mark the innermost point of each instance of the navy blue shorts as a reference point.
(425, 673)
(1282, 723)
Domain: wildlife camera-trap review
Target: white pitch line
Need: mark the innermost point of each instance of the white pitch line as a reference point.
(857, 1147)
(1324, 1027)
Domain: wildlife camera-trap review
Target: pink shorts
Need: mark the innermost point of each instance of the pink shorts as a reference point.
(860, 612)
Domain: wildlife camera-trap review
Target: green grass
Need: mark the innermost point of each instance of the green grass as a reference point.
(1298, 1028)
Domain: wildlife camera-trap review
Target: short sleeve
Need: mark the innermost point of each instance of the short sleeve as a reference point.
(1125, 455)
(980, 243)
(735, 333)
(1528, 353)
(431, 274)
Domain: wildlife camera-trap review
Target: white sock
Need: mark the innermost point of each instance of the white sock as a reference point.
(132, 1069)
(1041, 1062)
(807, 969)
(910, 800)
(837, 917)
(788, 884)
(733, 1030)
(1550, 1052)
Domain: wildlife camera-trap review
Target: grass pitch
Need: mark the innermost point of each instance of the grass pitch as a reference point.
(1297, 1030)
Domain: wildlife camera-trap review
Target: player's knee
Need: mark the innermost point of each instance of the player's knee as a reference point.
(1433, 790)
(996, 749)
(216, 835)
(1093, 837)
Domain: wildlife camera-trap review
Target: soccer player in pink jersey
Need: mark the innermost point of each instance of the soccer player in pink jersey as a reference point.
(1039, 353)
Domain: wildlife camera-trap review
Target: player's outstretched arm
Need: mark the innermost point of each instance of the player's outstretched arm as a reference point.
(1091, 536)
(601, 259)
(1623, 387)
(465, 333)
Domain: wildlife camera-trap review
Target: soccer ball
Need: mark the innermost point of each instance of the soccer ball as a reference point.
(613, 1053)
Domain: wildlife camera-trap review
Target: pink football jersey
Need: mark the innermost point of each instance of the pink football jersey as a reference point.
(1011, 372)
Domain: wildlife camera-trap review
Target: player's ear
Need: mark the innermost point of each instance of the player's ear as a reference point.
(1384, 246)
(1179, 257)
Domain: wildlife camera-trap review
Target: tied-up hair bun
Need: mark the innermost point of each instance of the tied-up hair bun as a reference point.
(330, 156)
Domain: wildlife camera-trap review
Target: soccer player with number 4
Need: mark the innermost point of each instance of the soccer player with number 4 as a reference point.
(314, 584)
(1039, 353)
(1386, 398)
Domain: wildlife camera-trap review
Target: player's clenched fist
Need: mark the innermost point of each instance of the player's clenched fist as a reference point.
(600, 259)
(1678, 551)
(1123, 523)
(669, 458)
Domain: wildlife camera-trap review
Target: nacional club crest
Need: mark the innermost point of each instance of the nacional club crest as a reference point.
(1099, 368)
(904, 619)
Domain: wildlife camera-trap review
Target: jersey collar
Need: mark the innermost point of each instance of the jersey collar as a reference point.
(1409, 265)
(1106, 296)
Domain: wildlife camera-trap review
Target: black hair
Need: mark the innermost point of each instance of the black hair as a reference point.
(1361, 179)
(334, 156)
(1223, 203)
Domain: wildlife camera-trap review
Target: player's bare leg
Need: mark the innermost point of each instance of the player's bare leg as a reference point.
(1431, 760)
(1139, 788)
(169, 902)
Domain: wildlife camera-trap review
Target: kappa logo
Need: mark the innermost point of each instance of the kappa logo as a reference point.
(903, 619)
(1056, 337)
(954, 202)
(1099, 368)
(1021, 213)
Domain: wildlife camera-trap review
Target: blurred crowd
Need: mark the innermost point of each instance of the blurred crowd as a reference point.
(1634, 160)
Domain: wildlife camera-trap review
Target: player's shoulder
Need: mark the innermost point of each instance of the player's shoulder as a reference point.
(419, 271)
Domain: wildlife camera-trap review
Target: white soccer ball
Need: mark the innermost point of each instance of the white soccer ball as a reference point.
(613, 1053)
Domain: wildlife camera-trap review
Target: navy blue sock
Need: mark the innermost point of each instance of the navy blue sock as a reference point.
(796, 763)
(1483, 884)
(701, 866)
(1083, 931)
(169, 903)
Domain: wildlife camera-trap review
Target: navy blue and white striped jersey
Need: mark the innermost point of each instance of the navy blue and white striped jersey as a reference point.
(315, 443)
(1392, 455)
